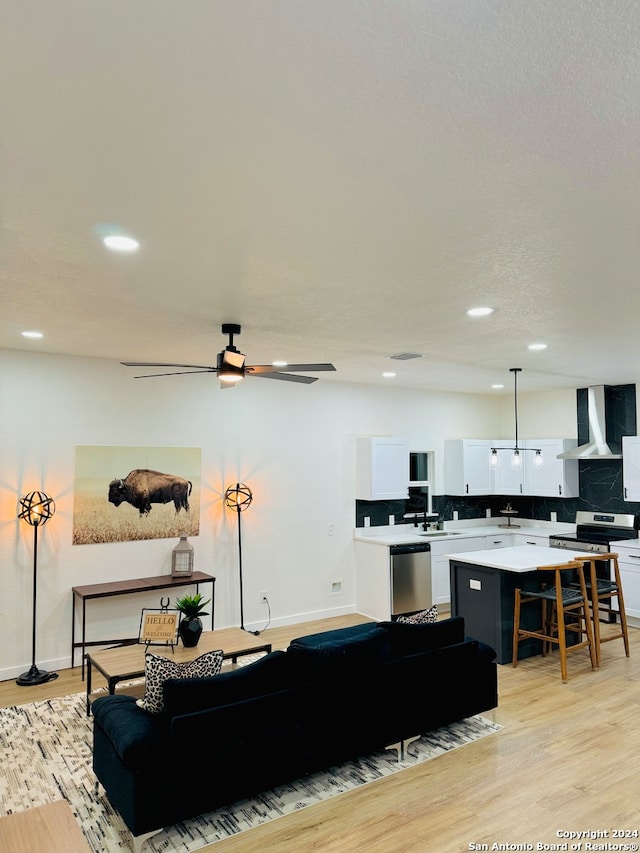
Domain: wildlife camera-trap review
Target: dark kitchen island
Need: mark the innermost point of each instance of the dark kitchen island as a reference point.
(483, 585)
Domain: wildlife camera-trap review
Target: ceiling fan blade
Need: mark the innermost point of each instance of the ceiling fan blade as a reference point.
(287, 377)
(164, 364)
(287, 368)
(177, 373)
(312, 368)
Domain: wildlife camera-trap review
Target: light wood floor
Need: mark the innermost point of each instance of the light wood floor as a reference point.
(566, 760)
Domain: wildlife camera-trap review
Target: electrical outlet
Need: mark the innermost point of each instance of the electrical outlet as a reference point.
(264, 597)
(331, 529)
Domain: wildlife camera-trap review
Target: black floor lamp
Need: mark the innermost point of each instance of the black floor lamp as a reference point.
(238, 498)
(36, 509)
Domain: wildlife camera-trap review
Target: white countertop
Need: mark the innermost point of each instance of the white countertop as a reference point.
(406, 534)
(625, 543)
(518, 558)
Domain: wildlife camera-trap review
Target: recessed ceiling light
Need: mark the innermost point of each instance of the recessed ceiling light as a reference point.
(388, 374)
(537, 346)
(479, 312)
(120, 243)
(497, 386)
(279, 363)
(32, 335)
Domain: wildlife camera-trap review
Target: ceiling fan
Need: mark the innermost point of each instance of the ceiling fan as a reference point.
(231, 367)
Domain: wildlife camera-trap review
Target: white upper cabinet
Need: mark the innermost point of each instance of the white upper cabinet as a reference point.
(557, 478)
(468, 472)
(508, 478)
(382, 468)
(631, 467)
(466, 467)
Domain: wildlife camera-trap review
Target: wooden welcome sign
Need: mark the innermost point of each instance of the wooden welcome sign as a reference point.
(158, 627)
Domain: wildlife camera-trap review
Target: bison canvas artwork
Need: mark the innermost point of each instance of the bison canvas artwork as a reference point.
(142, 487)
(125, 493)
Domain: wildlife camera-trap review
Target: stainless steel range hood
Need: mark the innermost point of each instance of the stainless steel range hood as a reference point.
(597, 447)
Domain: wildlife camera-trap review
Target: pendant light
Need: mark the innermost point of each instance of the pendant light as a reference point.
(516, 450)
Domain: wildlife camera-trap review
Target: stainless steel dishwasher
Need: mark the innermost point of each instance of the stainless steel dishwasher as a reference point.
(410, 578)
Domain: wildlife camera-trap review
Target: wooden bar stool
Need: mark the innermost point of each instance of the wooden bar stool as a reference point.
(603, 590)
(565, 602)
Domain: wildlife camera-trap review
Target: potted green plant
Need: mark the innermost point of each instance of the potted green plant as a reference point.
(192, 608)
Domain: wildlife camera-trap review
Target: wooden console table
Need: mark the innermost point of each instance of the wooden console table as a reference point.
(107, 590)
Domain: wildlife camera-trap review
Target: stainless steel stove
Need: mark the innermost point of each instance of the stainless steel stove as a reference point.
(596, 531)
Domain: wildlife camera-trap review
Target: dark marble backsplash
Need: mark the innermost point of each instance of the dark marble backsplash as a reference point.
(600, 490)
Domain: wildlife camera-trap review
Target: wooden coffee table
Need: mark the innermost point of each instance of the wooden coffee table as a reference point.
(51, 828)
(123, 663)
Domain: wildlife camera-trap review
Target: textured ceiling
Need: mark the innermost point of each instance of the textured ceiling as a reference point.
(344, 178)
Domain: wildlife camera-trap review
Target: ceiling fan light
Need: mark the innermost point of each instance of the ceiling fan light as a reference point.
(226, 375)
(230, 366)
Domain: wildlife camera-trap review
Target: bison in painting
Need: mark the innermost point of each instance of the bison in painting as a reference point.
(142, 487)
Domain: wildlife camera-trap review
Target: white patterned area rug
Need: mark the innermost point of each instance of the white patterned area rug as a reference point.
(45, 755)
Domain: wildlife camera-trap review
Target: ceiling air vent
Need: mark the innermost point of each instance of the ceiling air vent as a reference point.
(406, 356)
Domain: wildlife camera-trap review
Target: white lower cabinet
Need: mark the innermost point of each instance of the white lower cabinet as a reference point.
(528, 539)
(440, 579)
(373, 580)
(500, 540)
(629, 562)
(373, 568)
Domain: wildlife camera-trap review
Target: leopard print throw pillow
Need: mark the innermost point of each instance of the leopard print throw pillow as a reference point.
(430, 615)
(157, 669)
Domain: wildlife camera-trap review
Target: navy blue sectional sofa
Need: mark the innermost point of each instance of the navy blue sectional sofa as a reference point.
(328, 698)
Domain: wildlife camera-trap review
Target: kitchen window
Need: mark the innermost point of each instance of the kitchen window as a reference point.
(421, 464)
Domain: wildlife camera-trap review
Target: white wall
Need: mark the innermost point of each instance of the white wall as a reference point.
(292, 444)
(549, 415)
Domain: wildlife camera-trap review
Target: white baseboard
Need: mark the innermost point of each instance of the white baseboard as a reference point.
(47, 665)
(303, 617)
(13, 672)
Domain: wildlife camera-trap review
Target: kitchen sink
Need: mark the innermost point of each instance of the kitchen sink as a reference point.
(438, 533)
